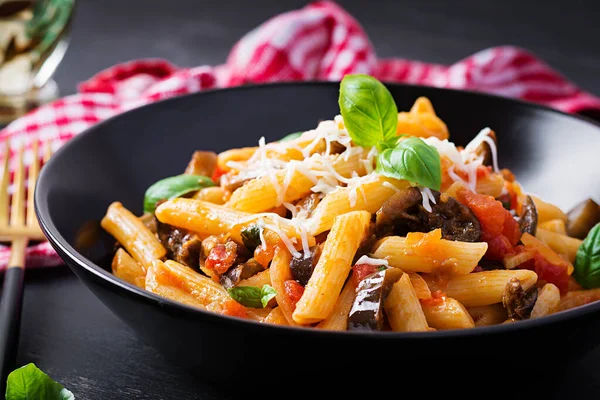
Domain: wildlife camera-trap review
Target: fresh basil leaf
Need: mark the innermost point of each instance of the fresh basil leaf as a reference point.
(172, 187)
(29, 382)
(587, 260)
(381, 268)
(291, 136)
(251, 296)
(369, 111)
(251, 236)
(413, 160)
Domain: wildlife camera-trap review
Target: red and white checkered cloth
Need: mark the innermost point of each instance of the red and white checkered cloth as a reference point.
(318, 42)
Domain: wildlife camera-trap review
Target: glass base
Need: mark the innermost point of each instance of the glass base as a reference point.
(13, 107)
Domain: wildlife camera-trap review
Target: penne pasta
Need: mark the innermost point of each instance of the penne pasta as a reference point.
(369, 196)
(126, 268)
(259, 280)
(403, 309)
(325, 284)
(132, 234)
(419, 285)
(560, 243)
(547, 301)
(547, 211)
(492, 185)
(447, 313)
(338, 319)
(578, 298)
(269, 191)
(488, 315)
(554, 225)
(429, 254)
(276, 317)
(213, 194)
(484, 288)
(279, 273)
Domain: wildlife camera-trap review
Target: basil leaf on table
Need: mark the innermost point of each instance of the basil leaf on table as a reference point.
(29, 382)
(291, 136)
(413, 160)
(369, 110)
(251, 296)
(172, 187)
(587, 260)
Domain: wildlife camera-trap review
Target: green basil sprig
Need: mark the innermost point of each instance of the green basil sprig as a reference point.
(172, 187)
(29, 382)
(369, 111)
(413, 160)
(587, 260)
(291, 136)
(251, 296)
(371, 119)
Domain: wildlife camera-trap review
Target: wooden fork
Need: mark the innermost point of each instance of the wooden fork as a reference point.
(18, 227)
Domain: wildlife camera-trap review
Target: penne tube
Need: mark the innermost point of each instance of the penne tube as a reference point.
(547, 301)
(491, 185)
(403, 309)
(514, 260)
(447, 313)
(290, 184)
(554, 225)
(547, 211)
(486, 287)
(488, 315)
(578, 298)
(279, 272)
(276, 317)
(369, 196)
(208, 219)
(338, 320)
(213, 194)
(126, 268)
(428, 255)
(180, 283)
(419, 285)
(325, 284)
(132, 234)
(561, 244)
(235, 155)
(259, 280)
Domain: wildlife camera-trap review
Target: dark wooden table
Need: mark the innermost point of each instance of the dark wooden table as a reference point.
(68, 333)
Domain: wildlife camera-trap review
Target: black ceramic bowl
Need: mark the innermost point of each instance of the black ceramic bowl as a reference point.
(553, 154)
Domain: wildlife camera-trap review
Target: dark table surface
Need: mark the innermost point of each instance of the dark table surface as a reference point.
(68, 333)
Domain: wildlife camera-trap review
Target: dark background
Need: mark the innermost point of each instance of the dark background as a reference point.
(68, 333)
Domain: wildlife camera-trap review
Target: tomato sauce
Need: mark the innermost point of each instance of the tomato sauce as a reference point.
(221, 257)
(294, 290)
(234, 309)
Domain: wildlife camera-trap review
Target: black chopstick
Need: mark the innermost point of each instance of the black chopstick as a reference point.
(10, 321)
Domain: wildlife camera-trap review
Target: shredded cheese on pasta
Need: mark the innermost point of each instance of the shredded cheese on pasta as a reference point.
(371, 261)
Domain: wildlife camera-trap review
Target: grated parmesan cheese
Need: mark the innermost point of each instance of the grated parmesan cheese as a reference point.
(428, 198)
(371, 261)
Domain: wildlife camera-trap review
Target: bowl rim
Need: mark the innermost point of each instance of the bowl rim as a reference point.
(66, 250)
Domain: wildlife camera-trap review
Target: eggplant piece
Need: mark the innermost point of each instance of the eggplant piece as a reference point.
(182, 245)
(517, 301)
(234, 275)
(202, 163)
(528, 219)
(303, 267)
(404, 212)
(582, 218)
(367, 311)
(485, 150)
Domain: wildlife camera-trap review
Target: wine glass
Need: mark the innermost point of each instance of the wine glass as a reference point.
(34, 36)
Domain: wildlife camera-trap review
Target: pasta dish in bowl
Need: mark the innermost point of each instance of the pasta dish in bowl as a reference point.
(373, 220)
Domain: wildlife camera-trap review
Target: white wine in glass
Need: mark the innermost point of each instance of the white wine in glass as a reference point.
(34, 36)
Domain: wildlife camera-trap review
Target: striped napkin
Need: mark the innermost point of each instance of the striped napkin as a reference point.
(318, 42)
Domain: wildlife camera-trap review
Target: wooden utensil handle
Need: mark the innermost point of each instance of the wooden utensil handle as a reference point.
(10, 321)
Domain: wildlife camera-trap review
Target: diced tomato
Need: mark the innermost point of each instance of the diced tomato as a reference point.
(529, 264)
(234, 309)
(217, 173)
(551, 273)
(363, 270)
(511, 230)
(437, 299)
(264, 256)
(221, 257)
(294, 290)
(483, 171)
(499, 229)
(507, 175)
